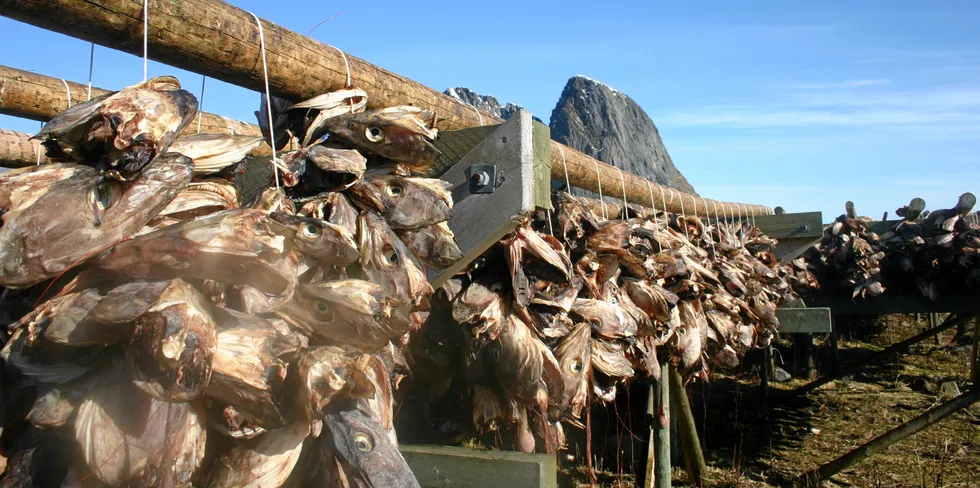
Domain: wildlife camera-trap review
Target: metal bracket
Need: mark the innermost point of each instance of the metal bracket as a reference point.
(796, 232)
(492, 198)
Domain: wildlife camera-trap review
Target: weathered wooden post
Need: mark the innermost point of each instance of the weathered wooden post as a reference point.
(697, 469)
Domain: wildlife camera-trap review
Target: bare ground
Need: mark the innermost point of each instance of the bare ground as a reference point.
(748, 443)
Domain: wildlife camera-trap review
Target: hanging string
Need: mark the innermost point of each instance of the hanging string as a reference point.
(39, 148)
(67, 90)
(551, 229)
(200, 105)
(146, 29)
(753, 217)
(683, 215)
(346, 65)
(598, 180)
(663, 200)
(268, 99)
(656, 228)
(478, 114)
(91, 67)
(626, 204)
(707, 218)
(568, 186)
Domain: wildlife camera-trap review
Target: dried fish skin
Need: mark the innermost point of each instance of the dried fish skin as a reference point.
(326, 169)
(353, 313)
(609, 358)
(263, 462)
(57, 318)
(46, 362)
(272, 200)
(249, 366)
(55, 406)
(122, 131)
(405, 203)
(173, 345)
(238, 247)
(213, 152)
(480, 310)
(402, 134)
(201, 197)
(434, 245)
(82, 215)
(517, 360)
(652, 299)
(324, 372)
(367, 454)
(607, 320)
(329, 105)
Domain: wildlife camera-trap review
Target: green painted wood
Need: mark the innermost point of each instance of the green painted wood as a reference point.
(455, 144)
(793, 225)
(541, 139)
(804, 320)
(884, 304)
(458, 467)
(788, 249)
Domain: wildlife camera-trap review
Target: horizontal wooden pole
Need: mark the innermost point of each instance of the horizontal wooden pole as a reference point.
(17, 150)
(38, 97)
(222, 41)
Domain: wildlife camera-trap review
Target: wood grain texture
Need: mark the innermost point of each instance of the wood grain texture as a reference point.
(222, 41)
(17, 150)
(38, 97)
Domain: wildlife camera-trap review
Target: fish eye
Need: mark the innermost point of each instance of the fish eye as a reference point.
(311, 230)
(104, 194)
(394, 190)
(391, 256)
(575, 366)
(374, 133)
(363, 442)
(496, 287)
(321, 306)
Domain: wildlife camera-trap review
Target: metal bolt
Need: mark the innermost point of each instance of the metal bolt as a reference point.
(804, 228)
(480, 179)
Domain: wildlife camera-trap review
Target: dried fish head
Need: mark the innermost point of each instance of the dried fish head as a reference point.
(332, 207)
(367, 454)
(202, 197)
(272, 200)
(265, 461)
(238, 247)
(434, 245)
(122, 131)
(517, 359)
(327, 106)
(402, 134)
(480, 310)
(173, 344)
(574, 354)
(405, 203)
(607, 320)
(100, 213)
(387, 262)
(353, 313)
(326, 169)
(325, 242)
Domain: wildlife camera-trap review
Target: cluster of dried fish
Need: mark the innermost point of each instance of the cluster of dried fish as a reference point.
(928, 253)
(570, 305)
(163, 333)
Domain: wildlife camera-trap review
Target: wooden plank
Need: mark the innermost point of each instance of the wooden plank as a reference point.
(792, 225)
(457, 467)
(480, 220)
(541, 139)
(456, 144)
(804, 320)
(886, 304)
(788, 249)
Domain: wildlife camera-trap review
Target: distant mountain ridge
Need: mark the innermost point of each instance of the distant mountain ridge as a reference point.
(602, 122)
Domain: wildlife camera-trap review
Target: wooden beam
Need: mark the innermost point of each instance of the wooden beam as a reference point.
(17, 150)
(222, 41)
(880, 443)
(38, 97)
(792, 225)
(457, 467)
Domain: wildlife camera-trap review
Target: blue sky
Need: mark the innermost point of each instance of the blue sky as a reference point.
(804, 105)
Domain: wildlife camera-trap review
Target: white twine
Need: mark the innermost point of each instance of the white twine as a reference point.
(68, 91)
(707, 220)
(568, 186)
(268, 99)
(91, 67)
(551, 230)
(663, 200)
(346, 64)
(626, 204)
(598, 181)
(656, 227)
(146, 28)
(683, 216)
(200, 105)
(39, 148)
(753, 217)
(478, 114)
